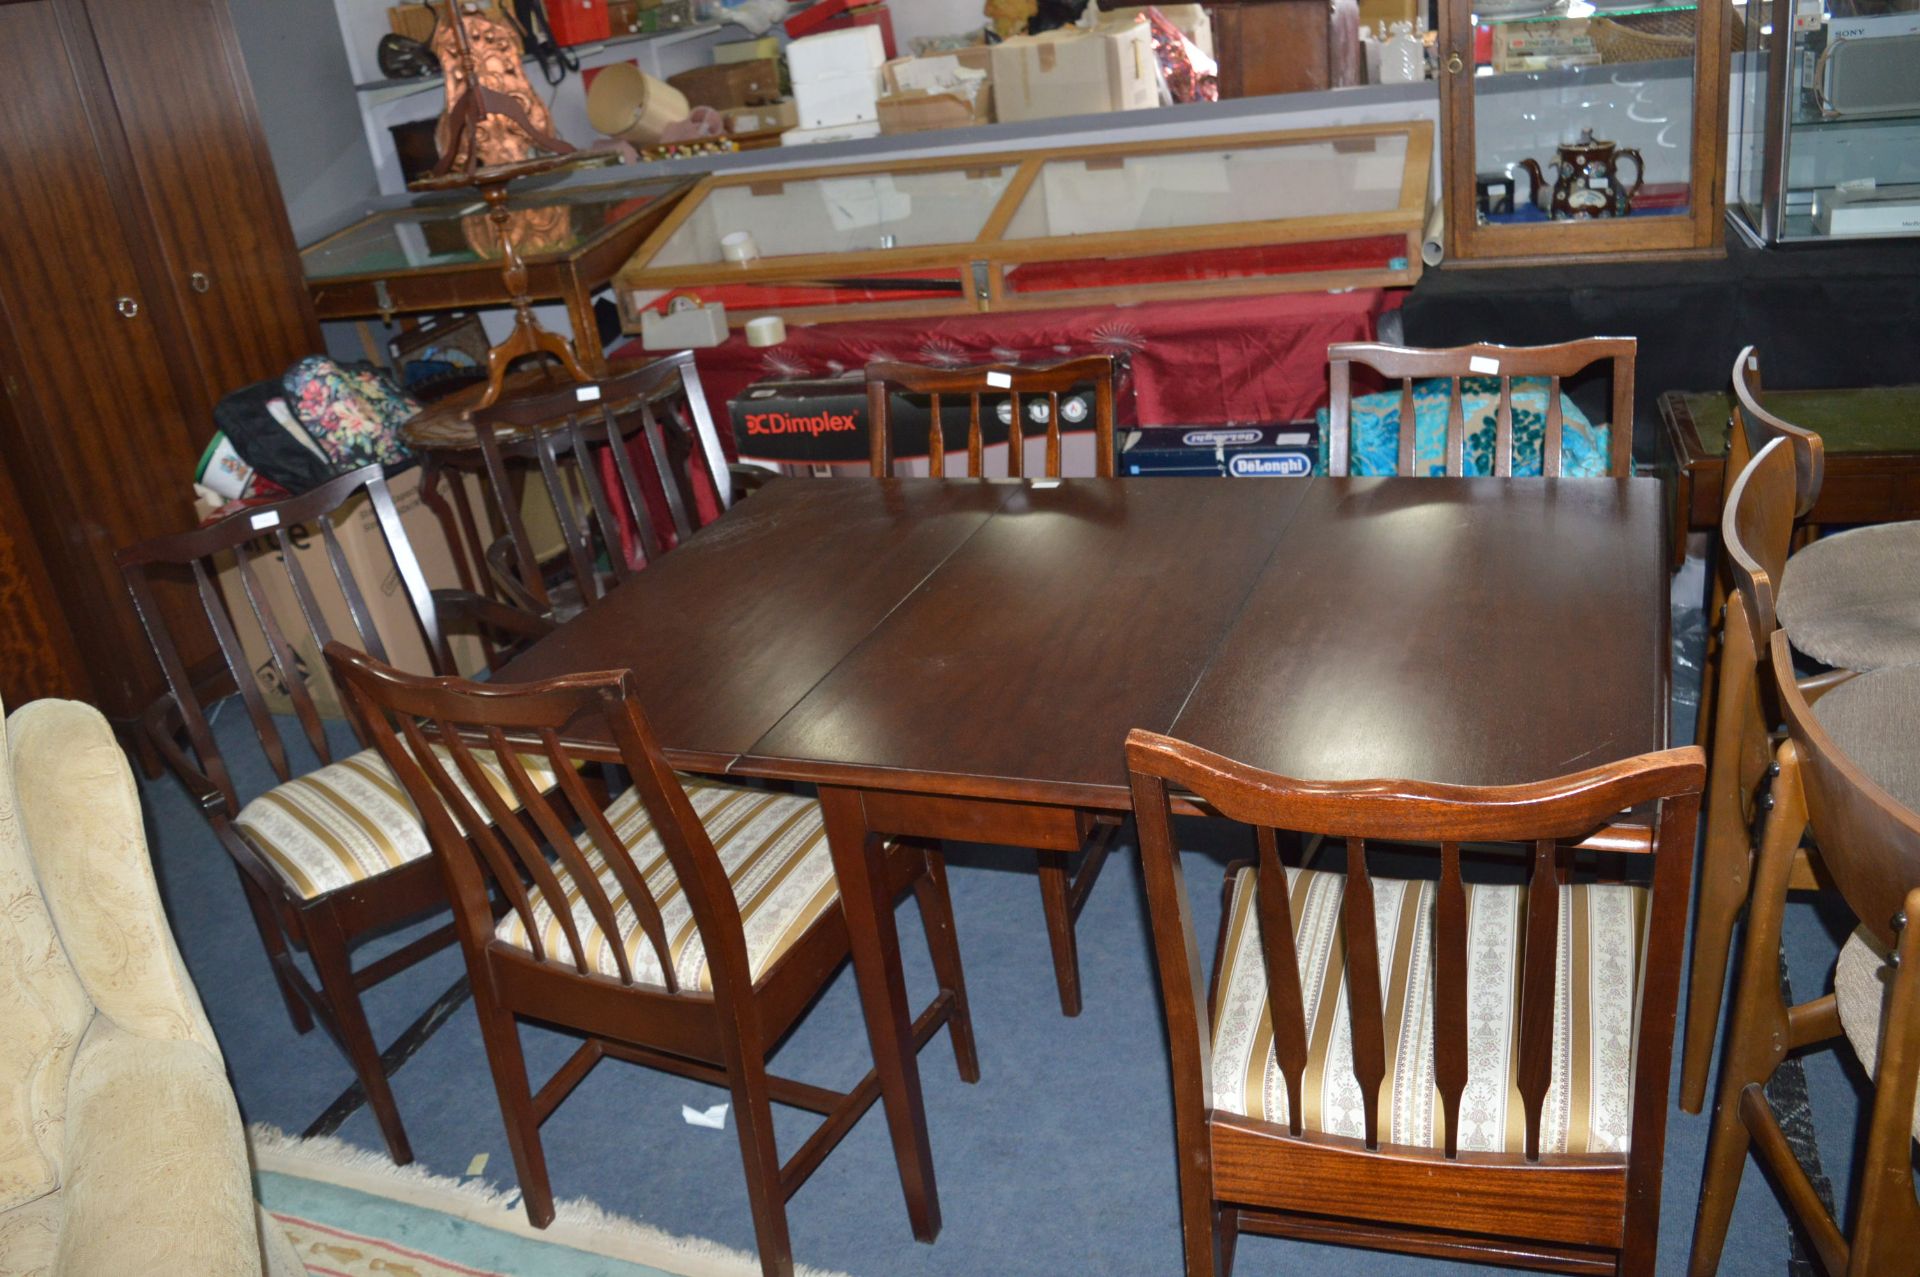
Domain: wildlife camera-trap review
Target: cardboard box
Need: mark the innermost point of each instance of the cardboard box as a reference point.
(366, 552)
(763, 118)
(734, 84)
(1075, 73)
(1288, 450)
(857, 130)
(823, 421)
(853, 52)
(918, 111)
(746, 50)
(1192, 21)
(835, 100)
(1540, 46)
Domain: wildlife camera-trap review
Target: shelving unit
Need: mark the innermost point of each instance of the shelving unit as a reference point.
(1789, 155)
(385, 103)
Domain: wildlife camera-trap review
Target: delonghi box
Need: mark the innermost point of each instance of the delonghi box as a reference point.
(1284, 451)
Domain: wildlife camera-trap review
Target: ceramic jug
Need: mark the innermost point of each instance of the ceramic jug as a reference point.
(1586, 179)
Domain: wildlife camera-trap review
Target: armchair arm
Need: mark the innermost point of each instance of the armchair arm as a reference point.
(466, 605)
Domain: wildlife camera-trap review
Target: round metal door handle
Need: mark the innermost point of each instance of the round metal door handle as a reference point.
(199, 282)
(127, 307)
(1454, 65)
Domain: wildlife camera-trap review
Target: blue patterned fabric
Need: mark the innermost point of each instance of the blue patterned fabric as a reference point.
(1374, 448)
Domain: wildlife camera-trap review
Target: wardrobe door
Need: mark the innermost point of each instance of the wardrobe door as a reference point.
(208, 185)
(37, 657)
(98, 448)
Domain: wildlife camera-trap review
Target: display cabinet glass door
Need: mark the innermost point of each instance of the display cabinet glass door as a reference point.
(1827, 120)
(1576, 128)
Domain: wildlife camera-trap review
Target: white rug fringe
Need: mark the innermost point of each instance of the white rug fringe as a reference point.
(577, 1223)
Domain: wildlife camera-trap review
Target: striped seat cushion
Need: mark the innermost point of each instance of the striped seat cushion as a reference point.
(1588, 1107)
(351, 820)
(774, 848)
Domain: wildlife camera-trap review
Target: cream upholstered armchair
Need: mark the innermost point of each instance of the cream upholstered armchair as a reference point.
(121, 1149)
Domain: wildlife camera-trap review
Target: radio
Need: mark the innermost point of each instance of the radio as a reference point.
(1870, 67)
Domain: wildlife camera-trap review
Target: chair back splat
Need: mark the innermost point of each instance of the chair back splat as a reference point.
(1019, 383)
(1504, 363)
(563, 436)
(260, 542)
(1462, 986)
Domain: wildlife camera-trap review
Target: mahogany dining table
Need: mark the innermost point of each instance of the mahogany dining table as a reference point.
(962, 659)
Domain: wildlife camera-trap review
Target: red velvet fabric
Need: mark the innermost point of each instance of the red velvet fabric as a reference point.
(1215, 361)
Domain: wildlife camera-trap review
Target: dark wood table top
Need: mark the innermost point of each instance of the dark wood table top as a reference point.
(997, 640)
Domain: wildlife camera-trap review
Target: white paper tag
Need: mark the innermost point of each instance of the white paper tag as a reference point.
(1046, 483)
(478, 1164)
(265, 519)
(714, 1118)
(586, 394)
(1480, 363)
(1000, 380)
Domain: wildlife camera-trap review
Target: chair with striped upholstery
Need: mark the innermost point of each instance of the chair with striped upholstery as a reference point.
(687, 926)
(336, 855)
(1468, 1069)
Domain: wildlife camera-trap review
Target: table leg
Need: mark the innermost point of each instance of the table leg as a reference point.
(586, 329)
(857, 864)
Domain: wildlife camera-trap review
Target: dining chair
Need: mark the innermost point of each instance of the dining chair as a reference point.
(687, 926)
(1756, 532)
(1850, 771)
(335, 856)
(1063, 892)
(1017, 382)
(612, 514)
(1456, 364)
(1850, 600)
(1469, 1069)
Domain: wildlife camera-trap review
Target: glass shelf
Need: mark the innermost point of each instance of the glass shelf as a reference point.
(1579, 9)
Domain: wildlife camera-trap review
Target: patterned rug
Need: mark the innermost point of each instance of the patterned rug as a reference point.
(352, 1213)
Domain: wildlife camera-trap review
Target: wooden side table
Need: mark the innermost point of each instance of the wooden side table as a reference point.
(444, 255)
(1873, 453)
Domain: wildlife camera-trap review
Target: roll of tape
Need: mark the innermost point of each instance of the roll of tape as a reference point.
(738, 246)
(766, 330)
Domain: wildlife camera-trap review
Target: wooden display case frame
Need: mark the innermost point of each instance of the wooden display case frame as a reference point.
(1700, 233)
(981, 264)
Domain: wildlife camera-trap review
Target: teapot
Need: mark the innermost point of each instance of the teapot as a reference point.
(1587, 179)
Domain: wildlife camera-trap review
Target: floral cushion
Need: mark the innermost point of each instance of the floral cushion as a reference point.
(353, 414)
(1374, 447)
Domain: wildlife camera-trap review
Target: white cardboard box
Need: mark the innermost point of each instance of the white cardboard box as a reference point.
(1075, 73)
(850, 51)
(836, 99)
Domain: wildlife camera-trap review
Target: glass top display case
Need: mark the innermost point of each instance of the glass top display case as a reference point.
(1025, 230)
(1827, 120)
(1576, 129)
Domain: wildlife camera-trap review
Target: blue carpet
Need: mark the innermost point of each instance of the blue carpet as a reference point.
(1060, 1161)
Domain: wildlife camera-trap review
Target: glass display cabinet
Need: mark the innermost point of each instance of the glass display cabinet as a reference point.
(1273, 212)
(1827, 121)
(445, 255)
(1575, 129)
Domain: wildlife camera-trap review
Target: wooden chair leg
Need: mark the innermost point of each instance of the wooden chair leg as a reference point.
(1055, 884)
(936, 915)
(1226, 1238)
(501, 1035)
(275, 940)
(753, 1117)
(1758, 1037)
(328, 949)
(1725, 871)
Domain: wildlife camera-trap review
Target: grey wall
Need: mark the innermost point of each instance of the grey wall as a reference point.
(307, 103)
